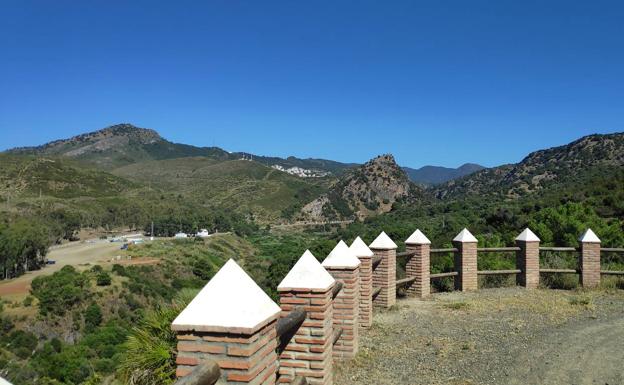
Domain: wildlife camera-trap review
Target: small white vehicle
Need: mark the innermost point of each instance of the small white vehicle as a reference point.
(181, 235)
(203, 233)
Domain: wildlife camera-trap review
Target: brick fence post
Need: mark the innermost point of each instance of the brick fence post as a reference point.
(365, 255)
(527, 259)
(233, 322)
(589, 259)
(384, 275)
(466, 261)
(418, 264)
(344, 266)
(309, 353)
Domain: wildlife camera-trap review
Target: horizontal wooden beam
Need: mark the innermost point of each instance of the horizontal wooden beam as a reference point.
(405, 281)
(376, 261)
(498, 272)
(611, 272)
(337, 334)
(287, 326)
(405, 254)
(205, 373)
(440, 251)
(563, 271)
(564, 249)
(496, 249)
(337, 288)
(443, 275)
(612, 249)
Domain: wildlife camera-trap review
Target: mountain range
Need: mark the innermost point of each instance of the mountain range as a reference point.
(124, 144)
(117, 165)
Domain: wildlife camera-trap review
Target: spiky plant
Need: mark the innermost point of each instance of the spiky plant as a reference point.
(150, 349)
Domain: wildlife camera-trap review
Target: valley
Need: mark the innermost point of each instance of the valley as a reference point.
(74, 322)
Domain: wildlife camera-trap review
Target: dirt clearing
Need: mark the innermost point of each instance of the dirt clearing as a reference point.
(497, 336)
(74, 253)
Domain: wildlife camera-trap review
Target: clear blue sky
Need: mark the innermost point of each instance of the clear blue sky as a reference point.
(433, 82)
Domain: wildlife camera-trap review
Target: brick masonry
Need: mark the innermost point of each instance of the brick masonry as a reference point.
(243, 359)
(384, 276)
(527, 261)
(466, 266)
(309, 353)
(418, 267)
(589, 263)
(346, 311)
(366, 292)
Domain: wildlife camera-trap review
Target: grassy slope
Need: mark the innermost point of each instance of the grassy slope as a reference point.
(28, 176)
(243, 186)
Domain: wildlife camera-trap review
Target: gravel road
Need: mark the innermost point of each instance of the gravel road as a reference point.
(497, 336)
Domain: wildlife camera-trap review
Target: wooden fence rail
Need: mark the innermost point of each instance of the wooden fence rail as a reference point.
(206, 373)
(497, 249)
(441, 251)
(498, 272)
(564, 271)
(561, 249)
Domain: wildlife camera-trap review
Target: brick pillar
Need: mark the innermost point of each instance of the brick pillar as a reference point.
(365, 255)
(527, 259)
(309, 353)
(418, 265)
(239, 334)
(466, 261)
(344, 266)
(589, 259)
(384, 275)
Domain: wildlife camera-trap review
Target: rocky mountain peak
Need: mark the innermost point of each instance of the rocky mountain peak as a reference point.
(366, 190)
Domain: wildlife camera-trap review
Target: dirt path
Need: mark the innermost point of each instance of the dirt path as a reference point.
(495, 337)
(588, 354)
(75, 254)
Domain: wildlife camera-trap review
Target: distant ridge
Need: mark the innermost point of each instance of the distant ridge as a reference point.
(125, 144)
(431, 175)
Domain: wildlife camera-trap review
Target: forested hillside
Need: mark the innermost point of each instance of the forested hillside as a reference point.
(370, 189)
(89, 324)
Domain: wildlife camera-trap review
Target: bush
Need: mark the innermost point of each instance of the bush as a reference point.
(60, 291)
(21, 343)
(28, 301)
(119, 270)
(92, 317)
(103, 279)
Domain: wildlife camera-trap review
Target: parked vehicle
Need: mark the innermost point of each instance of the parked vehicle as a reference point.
(203, 233)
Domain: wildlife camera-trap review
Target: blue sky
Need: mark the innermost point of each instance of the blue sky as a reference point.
(433, 82)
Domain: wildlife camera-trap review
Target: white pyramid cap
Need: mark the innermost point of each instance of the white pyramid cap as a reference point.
(383, 242)
(527, 236)
(417, 238)
(589, 237)
(341, 257)
(465, 236)
(230, 302)
(360, 249)
(307, 274)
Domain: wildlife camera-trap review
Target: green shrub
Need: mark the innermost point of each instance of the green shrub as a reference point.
(60, 291)
(92, 317)
(28, 301)
(103, 279)
(119, 270)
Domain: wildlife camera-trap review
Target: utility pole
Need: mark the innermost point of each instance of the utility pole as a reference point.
(152, 232)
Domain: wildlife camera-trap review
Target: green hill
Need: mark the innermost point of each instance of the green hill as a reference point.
(243, 186)
(120, 145)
